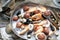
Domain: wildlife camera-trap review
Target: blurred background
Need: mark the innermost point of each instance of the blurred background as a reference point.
(10, 3)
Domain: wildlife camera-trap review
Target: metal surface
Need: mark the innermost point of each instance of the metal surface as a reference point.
(5, 2)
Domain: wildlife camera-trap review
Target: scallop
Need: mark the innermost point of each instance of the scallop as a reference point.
(46, 30)
(25, 8)
(15, 18)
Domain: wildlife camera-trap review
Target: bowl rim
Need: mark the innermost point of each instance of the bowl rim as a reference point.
(57, 4)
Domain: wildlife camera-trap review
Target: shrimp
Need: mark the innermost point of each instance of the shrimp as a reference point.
(40, 29)
(24, 30)
(36, 17)
(44, 23)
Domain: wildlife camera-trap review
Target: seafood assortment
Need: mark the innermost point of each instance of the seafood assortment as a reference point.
(33, 21)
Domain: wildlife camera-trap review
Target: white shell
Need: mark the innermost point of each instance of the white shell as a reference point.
(47, 24)
(29, 35)
(30, 26)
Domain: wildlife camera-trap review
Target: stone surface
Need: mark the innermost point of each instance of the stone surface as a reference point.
(0, 7)
(44, 2)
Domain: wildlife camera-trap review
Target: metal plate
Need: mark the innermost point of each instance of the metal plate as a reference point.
(20, 6)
